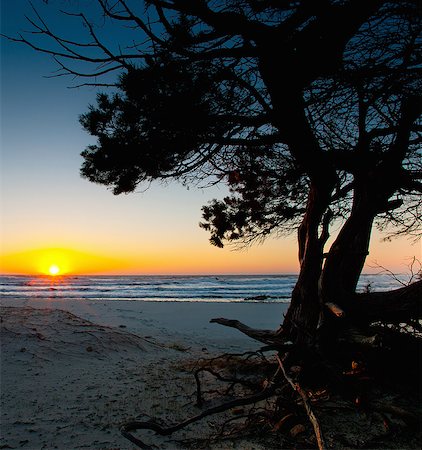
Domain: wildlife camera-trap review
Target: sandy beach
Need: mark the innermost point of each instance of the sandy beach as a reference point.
(72, 371)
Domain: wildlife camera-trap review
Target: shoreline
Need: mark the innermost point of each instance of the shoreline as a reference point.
(184, 320)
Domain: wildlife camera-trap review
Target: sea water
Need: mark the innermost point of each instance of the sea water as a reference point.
(181, 288)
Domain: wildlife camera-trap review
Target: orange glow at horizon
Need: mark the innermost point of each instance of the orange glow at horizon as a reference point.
(56, 262)
(148, 260)
(160, 258)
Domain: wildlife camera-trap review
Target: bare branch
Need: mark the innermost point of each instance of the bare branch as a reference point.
(306, 404)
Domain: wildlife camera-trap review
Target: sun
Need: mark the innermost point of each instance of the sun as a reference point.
(54, 270)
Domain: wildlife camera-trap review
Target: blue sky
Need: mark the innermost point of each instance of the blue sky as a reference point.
(45, 203)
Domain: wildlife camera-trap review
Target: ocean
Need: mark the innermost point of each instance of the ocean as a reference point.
(164, 288)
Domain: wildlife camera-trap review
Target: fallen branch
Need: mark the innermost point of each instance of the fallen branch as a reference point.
(127, 428)
(306, 404)
(400, 305)
(247, 355)
(354, 336)
(335, 309)
(233, 381)
(269, 337)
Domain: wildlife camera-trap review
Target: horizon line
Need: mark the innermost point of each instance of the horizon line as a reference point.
(164, 274)
(188, 274)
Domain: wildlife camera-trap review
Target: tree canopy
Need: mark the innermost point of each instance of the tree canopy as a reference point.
(266, 96)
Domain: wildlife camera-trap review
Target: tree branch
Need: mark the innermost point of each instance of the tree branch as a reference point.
(306, 404)
(227, 22)
(268, 337)
(394, 306)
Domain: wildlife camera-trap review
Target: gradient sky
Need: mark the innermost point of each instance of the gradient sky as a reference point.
(51, 215)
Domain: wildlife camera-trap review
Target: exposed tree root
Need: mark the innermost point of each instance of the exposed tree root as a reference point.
(231, 380)
(279, 388)
(399, 305)
(127, 428)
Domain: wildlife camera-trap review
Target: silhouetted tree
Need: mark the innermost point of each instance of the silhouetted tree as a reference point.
(307, 109)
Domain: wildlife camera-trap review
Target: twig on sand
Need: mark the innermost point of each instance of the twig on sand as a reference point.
(233, 381)
(306, 404)
(269, 390)
(127, 428)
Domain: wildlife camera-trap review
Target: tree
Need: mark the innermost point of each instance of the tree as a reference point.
(310, 111)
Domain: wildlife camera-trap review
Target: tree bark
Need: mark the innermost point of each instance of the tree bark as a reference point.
(346, 258)
(268, 337)
(304, 313)
(400, 305)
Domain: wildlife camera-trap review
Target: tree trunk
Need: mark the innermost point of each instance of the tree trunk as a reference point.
(346, 258)
(303, 315)
(341, 273)
(400, 305)
(309, 318)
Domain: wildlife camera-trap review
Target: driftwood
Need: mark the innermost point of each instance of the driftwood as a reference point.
(352, 335)
(395, 306)
(127, 428)
(274, 387)
(269, 337)
(335, 309)
(306, 404)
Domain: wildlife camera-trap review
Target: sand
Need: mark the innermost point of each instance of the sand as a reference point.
(72, 371)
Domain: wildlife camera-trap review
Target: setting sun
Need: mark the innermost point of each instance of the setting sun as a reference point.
(60, 262)
(53, 270)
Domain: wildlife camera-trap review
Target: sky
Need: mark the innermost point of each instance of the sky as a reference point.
(50, 215)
